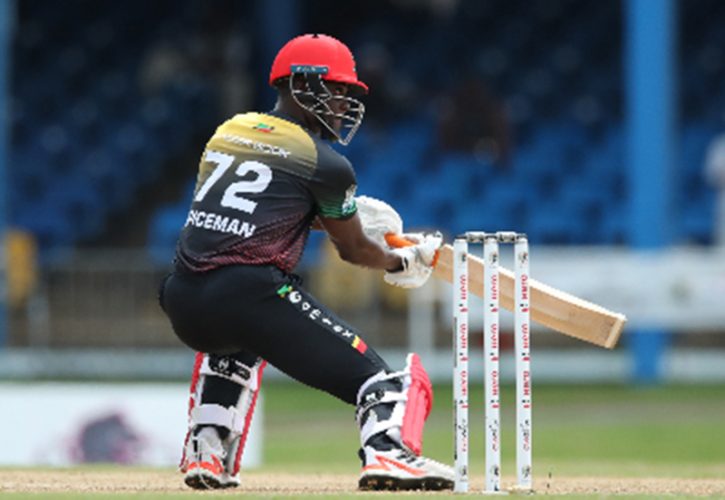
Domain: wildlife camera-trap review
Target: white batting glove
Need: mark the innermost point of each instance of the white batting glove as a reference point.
(378, 218)
(417, 261)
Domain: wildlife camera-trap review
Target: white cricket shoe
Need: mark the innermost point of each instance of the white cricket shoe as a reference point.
(205, 462)
(398, 469)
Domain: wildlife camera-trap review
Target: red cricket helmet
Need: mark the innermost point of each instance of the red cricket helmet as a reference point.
(319, 59)
(332, 59)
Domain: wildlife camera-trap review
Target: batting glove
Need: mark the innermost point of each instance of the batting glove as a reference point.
(417, 261)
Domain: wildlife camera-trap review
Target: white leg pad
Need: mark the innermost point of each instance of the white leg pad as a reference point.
(236, 419)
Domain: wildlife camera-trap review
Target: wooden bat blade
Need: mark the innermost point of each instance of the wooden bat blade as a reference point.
(550, 307)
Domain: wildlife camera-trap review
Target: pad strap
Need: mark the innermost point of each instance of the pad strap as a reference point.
(230, 369)
(209, 414)
(390, 425)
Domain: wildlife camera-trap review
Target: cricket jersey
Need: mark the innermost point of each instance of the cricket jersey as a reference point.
(262, 180)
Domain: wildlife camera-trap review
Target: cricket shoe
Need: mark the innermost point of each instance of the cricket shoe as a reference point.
(205, 462)
(398, 469)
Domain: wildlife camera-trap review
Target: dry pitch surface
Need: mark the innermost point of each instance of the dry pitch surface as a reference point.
(282, 484)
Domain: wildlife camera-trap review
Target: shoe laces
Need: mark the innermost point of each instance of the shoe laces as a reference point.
(406, 456)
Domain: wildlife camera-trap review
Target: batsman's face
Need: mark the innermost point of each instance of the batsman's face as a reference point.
(338, 104)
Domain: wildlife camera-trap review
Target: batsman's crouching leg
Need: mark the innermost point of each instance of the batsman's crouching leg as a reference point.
(223, 396)
(392, 409)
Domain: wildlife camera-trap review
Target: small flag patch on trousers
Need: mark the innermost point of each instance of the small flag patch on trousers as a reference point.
(359, 344)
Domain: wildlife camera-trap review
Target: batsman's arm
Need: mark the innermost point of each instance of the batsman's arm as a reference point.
(550, 307)
(355, 247)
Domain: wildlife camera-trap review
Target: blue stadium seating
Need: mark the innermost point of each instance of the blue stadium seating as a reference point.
(164, 231)
(86, 132)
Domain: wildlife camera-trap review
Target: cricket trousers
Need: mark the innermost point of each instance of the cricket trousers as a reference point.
(249, 312)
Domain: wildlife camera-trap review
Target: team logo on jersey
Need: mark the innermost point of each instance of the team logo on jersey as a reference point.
(348, 206)
(263, 127)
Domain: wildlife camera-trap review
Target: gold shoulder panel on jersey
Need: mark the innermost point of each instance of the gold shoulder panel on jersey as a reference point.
(256, 136)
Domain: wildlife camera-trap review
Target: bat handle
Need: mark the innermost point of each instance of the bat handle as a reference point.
(398, 241)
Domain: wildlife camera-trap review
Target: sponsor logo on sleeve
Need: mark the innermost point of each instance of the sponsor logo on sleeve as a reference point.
(348, 205)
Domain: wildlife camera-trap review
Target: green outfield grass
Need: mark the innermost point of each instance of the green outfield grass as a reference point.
(589, 430)
(579, 431)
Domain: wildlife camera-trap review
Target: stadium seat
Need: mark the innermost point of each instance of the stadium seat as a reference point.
(164, 231)
(563, 93)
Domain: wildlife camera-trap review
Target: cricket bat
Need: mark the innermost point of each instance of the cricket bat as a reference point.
(550, 307)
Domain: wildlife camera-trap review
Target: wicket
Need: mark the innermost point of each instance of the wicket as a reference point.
(491, 343)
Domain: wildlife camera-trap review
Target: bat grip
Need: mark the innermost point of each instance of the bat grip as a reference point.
(398, 241)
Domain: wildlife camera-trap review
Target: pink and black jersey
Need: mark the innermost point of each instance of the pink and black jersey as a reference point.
(262, 180)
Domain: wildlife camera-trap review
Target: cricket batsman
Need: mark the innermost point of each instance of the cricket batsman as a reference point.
(264, 181)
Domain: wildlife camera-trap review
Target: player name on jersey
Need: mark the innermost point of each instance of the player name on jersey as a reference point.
(219, 223)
